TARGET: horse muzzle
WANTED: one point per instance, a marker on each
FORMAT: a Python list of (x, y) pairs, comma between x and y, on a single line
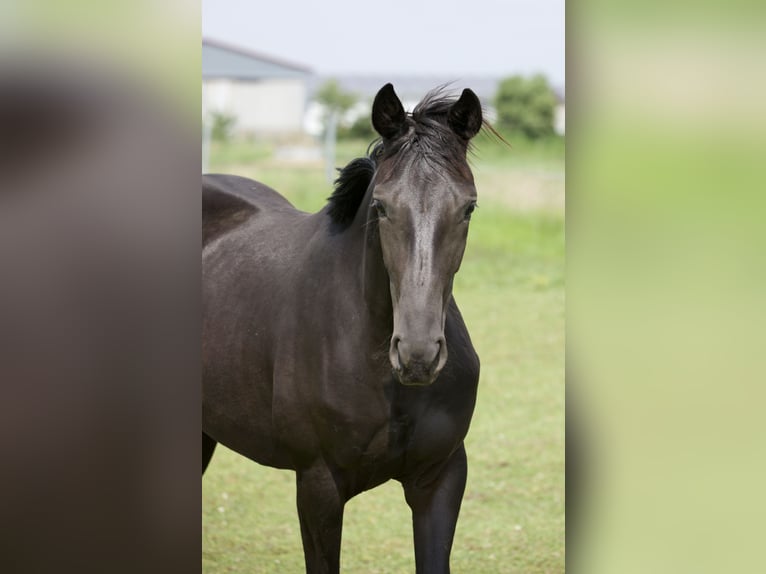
[(417, 363)]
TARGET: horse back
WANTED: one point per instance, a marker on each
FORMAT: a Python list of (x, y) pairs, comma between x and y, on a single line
[(229, 201)]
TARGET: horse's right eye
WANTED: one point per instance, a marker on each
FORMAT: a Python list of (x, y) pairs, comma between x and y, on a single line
[(379, 207), (469, 210)]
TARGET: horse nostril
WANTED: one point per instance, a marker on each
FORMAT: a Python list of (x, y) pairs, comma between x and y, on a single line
[(437, 353), (394, 355), (441, 355)]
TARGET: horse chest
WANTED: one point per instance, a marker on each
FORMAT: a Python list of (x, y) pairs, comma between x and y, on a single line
[(431, 435), (359, 425), (358, 416)]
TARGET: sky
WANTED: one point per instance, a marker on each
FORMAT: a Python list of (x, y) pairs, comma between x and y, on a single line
[(398, 37)]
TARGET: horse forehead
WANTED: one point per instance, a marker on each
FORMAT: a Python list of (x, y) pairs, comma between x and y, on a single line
[(426, 192)]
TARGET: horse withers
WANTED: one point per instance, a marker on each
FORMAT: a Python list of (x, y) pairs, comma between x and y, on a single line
[(332, 344)]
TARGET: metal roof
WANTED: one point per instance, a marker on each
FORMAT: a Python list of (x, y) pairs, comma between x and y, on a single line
[(220, 60)]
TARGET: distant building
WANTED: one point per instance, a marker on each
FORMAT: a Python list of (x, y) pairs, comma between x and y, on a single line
[(267, 96)]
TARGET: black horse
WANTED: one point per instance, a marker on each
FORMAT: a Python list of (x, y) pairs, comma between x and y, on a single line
[(332, 344)]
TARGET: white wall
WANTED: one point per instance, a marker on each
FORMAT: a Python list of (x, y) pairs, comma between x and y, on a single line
[(559, 119), (267, 107)]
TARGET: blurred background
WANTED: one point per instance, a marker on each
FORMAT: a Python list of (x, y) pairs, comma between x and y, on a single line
[(286, 99), (100, 137), (665, 275)]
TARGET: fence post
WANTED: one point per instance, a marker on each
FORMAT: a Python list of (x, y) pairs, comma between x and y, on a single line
[(329, 145), (206, 135)]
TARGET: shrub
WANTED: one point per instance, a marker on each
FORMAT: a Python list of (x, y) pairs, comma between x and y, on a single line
[(360, 129), (222, 126), (526, 105)]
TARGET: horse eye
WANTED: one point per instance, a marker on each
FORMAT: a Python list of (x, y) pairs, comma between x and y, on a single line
[(379, 208), (469, 211)]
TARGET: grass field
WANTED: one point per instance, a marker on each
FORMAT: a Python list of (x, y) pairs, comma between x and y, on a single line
[(511, 291)]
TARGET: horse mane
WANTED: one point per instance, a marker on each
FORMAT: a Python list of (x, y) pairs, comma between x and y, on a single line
[(428, 134), (350, 188)]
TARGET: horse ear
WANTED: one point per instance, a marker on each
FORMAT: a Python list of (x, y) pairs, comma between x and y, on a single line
[(388, 115), (465, 115)]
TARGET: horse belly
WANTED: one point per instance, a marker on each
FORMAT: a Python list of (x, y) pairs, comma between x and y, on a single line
[(237, 412), (237, 381)]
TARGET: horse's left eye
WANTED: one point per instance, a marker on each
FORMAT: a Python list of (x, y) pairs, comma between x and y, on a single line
[(379, 208), (469, 211)]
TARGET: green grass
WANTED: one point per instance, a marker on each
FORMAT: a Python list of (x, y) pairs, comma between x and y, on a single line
[(511, 291), (238, 152)]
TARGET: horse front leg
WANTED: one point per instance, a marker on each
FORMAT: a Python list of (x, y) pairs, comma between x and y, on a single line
[(320, 510), (435, 507)]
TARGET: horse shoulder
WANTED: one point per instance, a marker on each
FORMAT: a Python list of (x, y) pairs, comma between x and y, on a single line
[(465, 360)]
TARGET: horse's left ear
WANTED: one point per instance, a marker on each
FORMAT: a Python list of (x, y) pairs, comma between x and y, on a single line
[(388, 117), (465, 115)]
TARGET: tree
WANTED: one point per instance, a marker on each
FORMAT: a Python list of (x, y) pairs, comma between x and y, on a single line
[(360, 129), (334, 99), (223, 124), (526, 105)]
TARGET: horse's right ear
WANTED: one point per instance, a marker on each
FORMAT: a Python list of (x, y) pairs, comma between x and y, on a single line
[(388, 117), (465, 115)]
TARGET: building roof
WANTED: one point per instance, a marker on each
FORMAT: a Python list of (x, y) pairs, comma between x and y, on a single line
[(221, 60)]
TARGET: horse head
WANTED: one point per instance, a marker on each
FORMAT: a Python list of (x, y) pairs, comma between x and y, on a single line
[(422, 199)]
